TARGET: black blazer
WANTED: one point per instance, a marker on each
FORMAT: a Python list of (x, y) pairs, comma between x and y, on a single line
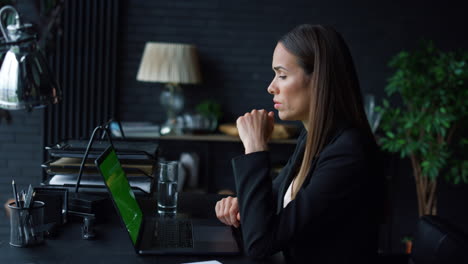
[(334, 217)]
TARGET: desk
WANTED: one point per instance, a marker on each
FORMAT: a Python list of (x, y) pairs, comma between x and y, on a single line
[(113, 244)]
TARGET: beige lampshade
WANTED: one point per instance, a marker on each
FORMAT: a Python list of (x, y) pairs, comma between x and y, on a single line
[(169, 63)]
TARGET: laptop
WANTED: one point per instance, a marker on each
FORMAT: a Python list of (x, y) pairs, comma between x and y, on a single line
[(159, 236)]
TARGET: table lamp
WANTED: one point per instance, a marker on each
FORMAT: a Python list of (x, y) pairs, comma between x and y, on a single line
[(26, 81), (172, 64)]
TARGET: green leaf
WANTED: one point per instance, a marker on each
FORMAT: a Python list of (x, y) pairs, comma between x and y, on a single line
[(402, 154), (386, 104), (209, 108), (425, 164)]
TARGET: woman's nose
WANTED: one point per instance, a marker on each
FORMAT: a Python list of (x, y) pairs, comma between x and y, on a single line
[(271, 89)]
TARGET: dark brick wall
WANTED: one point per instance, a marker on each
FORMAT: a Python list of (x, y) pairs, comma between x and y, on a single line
[(236, 39), (20, 151)]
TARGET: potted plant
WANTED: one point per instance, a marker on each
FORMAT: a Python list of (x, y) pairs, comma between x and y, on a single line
[(211, 110), (205, 120), (429, 125)]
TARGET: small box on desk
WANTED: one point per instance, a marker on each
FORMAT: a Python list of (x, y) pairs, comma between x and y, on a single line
[(61, 205), (56, 204), (86, 204)]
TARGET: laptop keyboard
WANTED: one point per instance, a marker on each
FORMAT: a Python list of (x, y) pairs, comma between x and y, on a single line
[(173, 234)]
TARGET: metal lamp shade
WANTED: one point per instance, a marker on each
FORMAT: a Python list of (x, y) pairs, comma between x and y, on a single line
[(26, 81)]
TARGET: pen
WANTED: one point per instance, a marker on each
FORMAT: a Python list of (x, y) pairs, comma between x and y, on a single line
[(28, 197), (31, 226), (23, 198), (15, 193)]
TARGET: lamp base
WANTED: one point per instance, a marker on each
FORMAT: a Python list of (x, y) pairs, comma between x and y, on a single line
[(172, 99), (171, 127)]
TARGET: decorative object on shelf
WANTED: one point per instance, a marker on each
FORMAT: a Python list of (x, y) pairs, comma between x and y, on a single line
[(373, 116), (172, 64), (210, 108), (26, 81), (205, 120), (408, 241), (280, 131), (199, 124), (229, 129), (430, 126)]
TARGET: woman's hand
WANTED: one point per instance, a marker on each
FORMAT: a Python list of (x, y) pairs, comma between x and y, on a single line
[(255, 130), (227, 211)]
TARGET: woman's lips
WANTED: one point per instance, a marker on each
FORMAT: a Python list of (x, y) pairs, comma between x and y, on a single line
[(277, 105)]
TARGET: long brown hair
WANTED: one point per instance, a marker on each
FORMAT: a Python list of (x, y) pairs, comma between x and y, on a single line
[(322, 53)]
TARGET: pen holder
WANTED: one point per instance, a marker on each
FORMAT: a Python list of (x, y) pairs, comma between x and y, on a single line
[(26, 225)]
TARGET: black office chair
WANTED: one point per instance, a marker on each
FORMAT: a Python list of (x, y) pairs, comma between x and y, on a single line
[(438, 242)]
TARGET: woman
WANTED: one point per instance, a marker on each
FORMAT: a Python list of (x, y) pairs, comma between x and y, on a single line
[(323, 207)]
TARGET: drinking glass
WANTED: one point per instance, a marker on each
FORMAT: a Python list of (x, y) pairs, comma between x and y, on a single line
[(167, 187)]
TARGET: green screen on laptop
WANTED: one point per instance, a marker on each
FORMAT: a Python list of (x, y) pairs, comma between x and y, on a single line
[(123, 196)]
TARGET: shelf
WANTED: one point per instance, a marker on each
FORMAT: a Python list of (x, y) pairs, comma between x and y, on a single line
[(219, 138)]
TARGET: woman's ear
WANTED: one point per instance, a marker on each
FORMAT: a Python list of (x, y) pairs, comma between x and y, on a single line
[(308, 81)]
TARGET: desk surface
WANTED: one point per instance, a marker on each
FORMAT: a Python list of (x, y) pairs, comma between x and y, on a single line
[(113, 244)]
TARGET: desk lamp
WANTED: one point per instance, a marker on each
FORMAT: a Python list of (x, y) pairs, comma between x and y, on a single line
[(172, 64), (26, 81), (84, 204)]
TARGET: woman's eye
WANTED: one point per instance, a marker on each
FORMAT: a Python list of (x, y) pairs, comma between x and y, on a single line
[(282, 77)]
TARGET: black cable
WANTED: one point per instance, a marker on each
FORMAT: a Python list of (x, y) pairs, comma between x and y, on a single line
[(105, 131)]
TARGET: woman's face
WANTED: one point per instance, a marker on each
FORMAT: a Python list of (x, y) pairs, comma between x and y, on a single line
[(290, 87)]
